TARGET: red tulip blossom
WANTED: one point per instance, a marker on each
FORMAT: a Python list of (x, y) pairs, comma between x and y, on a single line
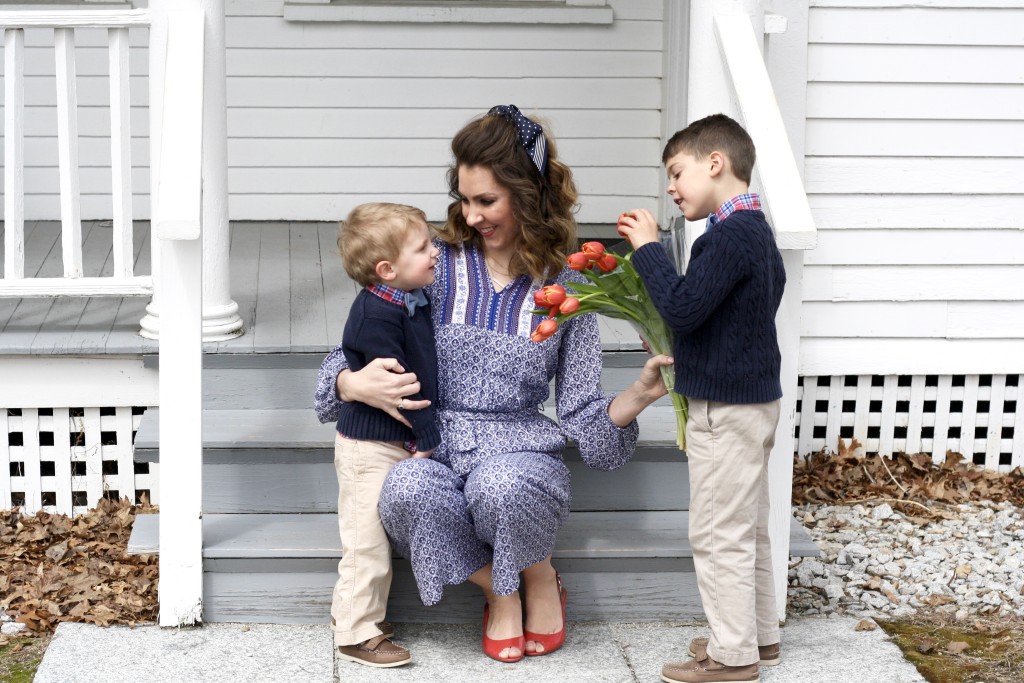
[(607, 263), (570, 305), (592, 249), (578, 261), (550, 295), (546, 328), (618, 226)]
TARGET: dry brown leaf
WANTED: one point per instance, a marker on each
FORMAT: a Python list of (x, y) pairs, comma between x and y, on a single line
[(55, 568), (957, 647), (903, 479), (937, 600), (865, 625)]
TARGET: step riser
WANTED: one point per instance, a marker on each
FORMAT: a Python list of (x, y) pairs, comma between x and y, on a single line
[(305, 598), (312, 487)]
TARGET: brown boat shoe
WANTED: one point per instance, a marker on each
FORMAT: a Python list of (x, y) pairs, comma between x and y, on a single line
[(708, 670), (771, 655), (377, 652)]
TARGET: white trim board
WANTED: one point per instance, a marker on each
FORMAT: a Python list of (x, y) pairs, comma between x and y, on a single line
[(490, 12), (41, 382)]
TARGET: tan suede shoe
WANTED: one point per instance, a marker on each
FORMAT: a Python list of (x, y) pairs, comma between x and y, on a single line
[(771, 655), (377, 652), (708, 670)]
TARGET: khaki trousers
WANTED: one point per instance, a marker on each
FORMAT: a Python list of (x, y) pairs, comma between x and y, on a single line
[(727, 448), (360, 598)]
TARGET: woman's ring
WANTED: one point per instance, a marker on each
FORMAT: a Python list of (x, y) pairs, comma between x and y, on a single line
[(401, 403)]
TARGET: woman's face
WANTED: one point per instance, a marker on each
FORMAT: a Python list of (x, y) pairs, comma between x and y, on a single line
[(487, 208)]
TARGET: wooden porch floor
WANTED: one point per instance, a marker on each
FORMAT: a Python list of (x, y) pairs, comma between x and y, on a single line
[(286, 277)]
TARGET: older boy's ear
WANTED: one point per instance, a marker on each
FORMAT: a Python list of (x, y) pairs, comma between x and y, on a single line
[(385, 271), (716, 163)]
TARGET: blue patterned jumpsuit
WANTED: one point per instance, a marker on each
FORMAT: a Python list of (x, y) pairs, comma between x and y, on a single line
[(496, 490)]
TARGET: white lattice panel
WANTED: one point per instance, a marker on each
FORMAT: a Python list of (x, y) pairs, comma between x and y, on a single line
[(65, 459), (980, 416)]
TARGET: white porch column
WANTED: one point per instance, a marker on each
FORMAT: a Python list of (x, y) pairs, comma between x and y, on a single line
[(710, 91), (220, 313)]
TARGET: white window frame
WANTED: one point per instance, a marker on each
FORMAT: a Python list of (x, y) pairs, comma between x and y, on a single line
[(454, 12), (21, 5)]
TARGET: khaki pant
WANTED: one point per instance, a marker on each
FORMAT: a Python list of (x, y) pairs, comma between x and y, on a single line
[(727, 448), (364, 574)]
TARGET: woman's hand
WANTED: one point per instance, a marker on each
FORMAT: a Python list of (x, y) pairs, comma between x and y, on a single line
[(645, 390), (383, 384)]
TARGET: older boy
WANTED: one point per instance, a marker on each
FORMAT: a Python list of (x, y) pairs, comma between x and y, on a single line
[(387, 249), (727, 359)]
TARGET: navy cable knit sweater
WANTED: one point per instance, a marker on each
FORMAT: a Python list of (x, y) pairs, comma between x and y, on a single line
[(380, 329), (722, 311)]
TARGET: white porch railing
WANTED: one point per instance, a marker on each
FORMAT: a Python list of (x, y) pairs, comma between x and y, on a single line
[(122, 281), (177, 61)]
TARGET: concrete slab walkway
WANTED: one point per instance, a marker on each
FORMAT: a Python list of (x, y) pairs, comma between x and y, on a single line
[(814, 650)]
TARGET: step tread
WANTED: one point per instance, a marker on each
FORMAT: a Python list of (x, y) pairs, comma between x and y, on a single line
[(592, 535), (278, 429)]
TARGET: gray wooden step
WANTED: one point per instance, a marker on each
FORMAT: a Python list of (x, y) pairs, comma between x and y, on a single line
[(288, 380), (282, 461), (281, 568), (254, 435)]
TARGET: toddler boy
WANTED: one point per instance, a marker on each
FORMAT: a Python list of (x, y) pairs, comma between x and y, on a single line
[(386, 248), (722, 312)]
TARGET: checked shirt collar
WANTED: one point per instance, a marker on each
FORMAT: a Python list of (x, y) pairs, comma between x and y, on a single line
[(743, 202), (400, 297)]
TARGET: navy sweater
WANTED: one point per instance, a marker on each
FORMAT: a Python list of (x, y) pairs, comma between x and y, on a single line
[(381, 329), (722, 311)]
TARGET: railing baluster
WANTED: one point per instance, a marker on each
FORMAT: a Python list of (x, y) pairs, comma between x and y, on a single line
[(67, 148), (14, 154), (120, 151)]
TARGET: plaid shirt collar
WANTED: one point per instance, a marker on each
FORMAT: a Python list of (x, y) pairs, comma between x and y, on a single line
[(742, 202), (399, 297)]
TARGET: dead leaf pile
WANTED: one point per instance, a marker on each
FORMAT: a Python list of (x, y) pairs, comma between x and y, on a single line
[(846, 477), (55, 568)]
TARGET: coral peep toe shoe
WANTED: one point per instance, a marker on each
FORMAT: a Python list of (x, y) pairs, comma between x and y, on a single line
[(494, 646), (550, 641)]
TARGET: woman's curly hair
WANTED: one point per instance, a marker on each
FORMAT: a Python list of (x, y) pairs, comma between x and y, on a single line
[(543, 207)]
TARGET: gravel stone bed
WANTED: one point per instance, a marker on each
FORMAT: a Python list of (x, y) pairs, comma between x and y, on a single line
[(880, 562)]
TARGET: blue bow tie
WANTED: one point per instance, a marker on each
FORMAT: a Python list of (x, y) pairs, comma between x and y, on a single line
[(413, 299)]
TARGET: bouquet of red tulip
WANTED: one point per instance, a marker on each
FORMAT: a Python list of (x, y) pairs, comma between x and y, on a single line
[(615, 290)]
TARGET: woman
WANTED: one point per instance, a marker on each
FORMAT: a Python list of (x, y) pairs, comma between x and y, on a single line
[(487, 507)]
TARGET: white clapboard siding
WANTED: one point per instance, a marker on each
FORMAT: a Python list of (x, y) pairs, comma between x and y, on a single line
[(902, 25), (905, 210), (320, 115), (921, 246), (879, 175), (915, 138), (873, 63), (93, 122), (915, 174), (923, 101), (914, 320)]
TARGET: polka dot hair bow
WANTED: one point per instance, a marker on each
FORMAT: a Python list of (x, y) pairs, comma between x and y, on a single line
[(531, 135)]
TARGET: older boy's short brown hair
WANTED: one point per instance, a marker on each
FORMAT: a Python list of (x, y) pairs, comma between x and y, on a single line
[(373, 233), (713, 133)]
